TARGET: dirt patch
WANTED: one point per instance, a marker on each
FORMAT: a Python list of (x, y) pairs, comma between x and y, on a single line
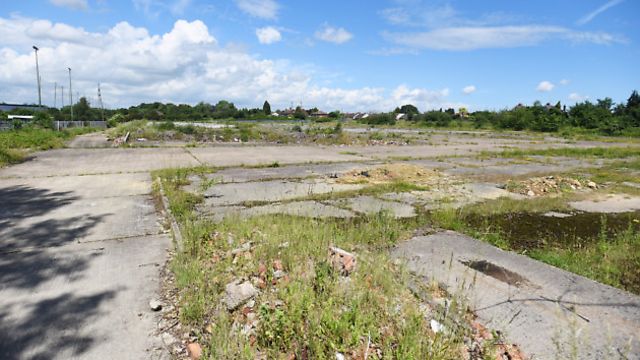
[(391, 173)]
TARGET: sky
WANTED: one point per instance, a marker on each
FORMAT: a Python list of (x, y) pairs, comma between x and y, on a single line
[(358, 55)]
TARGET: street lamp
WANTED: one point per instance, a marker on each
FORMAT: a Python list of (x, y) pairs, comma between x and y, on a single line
[(38, 75), (70, 94)]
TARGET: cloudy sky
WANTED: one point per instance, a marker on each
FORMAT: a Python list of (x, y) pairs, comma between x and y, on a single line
[(345, 55)]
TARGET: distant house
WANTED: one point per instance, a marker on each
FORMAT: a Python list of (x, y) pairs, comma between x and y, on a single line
[(275, 114), (401, 116), (319, 114), (357, 116)]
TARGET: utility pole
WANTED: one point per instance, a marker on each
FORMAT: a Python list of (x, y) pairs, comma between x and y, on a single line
[(101, 105), (70, 94), (61, 97), (38, 75), (55, 95)]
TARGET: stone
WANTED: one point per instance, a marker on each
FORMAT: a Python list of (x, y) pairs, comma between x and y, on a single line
[(168, 339), (592, 185), (340, 356), (237, 293), (277, 265), (342, 261), (194, 350), (155, 305), (531, 193), (278, 274)]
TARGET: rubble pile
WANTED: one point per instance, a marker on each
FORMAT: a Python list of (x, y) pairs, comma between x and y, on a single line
[(539, 186)]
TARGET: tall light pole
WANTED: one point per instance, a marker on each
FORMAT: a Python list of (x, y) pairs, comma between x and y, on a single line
[(70, 94), (38, 75), (55, 95)]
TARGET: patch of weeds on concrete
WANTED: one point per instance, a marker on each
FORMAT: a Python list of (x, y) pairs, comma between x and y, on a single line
[(300, 304)]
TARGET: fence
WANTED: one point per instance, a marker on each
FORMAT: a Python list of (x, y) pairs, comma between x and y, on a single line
[(59, 125)]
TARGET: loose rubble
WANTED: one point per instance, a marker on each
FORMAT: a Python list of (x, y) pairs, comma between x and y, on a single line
[(539, 186), (237, 293), (342, 261)]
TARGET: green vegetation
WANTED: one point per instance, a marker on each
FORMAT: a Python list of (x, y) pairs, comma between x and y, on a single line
[(610, 260), (13, 143), (612, 152), (602, 117), (312, 311)]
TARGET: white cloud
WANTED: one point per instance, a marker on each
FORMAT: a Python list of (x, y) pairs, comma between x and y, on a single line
[(545, 86), (183, 65), (482, 37), (179, 6), (564, 82), (268, 35), (577, 97), (469, 89), (265, 9), (333, 34), (71, 4), (592, 15)]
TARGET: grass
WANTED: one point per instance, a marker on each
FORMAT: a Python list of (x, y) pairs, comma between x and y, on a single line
[(612, 261), (313, 312), (596, 152), (14, 144)]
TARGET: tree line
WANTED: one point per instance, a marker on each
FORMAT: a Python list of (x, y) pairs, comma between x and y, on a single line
[(602, 116)]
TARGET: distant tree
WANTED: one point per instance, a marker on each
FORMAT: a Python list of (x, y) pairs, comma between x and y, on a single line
[(299, 113), (224, 109), (266, 108), (334, 114), (82, 110), (438, 118)]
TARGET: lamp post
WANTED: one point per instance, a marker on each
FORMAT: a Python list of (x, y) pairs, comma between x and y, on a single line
[(70, 94), (38, 75)]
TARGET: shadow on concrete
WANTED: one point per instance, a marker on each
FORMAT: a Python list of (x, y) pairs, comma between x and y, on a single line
[(20, 202), (51, 327)]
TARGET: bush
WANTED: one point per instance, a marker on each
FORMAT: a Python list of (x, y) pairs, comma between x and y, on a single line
[(43, 120), (167, 125)]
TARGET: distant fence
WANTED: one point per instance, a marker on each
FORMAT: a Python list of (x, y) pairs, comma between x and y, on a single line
[(70, 124), (7, 125)]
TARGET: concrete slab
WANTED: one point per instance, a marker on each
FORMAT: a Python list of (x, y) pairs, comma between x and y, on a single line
[(311, 209), (610, 203), (285, 172), (94, 140), (81, 301), (99, 161), (536, 305), (253, 155), (275, 190), (371, 205)]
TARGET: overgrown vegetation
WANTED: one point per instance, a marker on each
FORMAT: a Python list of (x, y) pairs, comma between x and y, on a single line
[(311, 311), (15, 143)]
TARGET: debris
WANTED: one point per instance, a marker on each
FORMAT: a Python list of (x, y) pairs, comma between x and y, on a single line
[(279, 274), (237, 293), (242, 249), (155, 305), (339, 356), (195, 350), (277, 265), (168, 339), (436, 326), (547, 185), (390, 173), (342, 261)]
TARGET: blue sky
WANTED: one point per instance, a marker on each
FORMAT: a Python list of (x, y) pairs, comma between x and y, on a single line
[(346, 55)]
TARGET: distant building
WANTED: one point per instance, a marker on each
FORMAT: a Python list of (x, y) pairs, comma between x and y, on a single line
[(319, 114), (401, 116), (20, 117), (9, 107)]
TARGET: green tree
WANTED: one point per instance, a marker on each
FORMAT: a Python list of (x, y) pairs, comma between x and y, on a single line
[(82, 110), (299, 113), (43, 119), (266, 108)]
